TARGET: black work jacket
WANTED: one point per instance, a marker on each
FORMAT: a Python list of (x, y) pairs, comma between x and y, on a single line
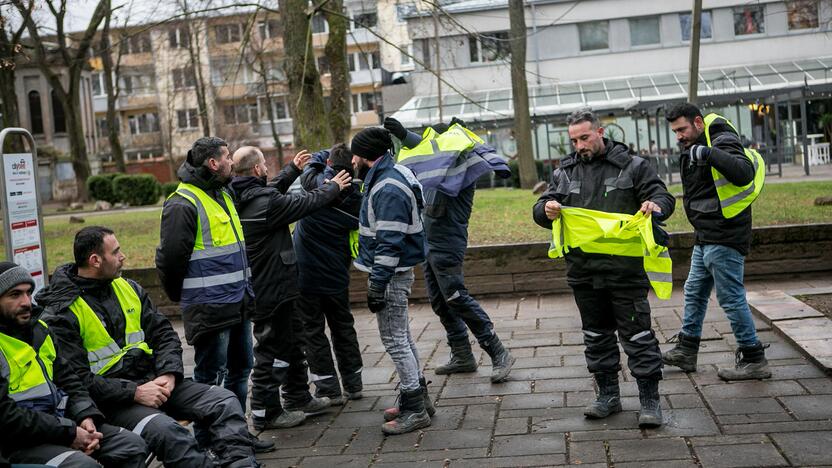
[(614, 182), (117, 385)]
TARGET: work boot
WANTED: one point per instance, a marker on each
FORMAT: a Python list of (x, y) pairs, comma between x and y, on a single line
[(501, 360), (609, 397), (313, 406), (462, 359), (356, 395), (282, 420), (261, 446), (651, 409), (413, 414), (684, 354), (751, 364), (392, 413)]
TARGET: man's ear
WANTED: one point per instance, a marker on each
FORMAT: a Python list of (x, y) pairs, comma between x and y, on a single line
[(699, 123)]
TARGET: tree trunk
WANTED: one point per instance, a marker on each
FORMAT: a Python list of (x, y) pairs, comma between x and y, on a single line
[(520, 94), (77, 146), (112, 95), (311, 129), (11, 115), (336, 53), (264, 75)]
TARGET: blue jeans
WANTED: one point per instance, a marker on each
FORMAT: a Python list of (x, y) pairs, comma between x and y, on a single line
[(394, 328), (225, 359), (717, 265)]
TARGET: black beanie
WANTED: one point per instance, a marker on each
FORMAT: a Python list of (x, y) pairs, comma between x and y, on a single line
[(371, 143), (11, 275)]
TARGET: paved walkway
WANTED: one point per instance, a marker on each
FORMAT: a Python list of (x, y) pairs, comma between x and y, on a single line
[(535, 419)]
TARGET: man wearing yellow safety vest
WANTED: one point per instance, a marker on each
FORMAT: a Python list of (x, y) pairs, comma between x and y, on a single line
[(720, 179), (130, 358), (610, 288), (46, 414)]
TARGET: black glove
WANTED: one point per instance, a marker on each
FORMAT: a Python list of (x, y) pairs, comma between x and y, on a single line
[(375, 297), (699, 155), (395, 127), (457, 121)]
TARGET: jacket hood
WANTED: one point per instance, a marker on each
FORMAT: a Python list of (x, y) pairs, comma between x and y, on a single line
[(65, 286), (200, 176), (615, 152), (247, 188)]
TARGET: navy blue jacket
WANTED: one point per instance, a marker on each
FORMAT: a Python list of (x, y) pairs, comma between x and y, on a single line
[(322, 239), (391, 236)]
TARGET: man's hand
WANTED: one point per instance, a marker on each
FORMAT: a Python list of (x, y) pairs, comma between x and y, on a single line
[(301, 159), (395, 128), (552, 209), (151, 394), (457, 121), (649, 208), (699, 155), (166, 380), (375, 297), (85, 440), (343, 180)]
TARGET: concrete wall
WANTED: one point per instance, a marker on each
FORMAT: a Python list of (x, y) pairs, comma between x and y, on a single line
[(525, 268)]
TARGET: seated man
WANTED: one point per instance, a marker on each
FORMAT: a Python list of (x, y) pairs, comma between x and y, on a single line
[(46, 414), (130, 358)]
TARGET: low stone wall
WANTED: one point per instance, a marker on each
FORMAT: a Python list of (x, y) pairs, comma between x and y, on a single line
[(526, 269)]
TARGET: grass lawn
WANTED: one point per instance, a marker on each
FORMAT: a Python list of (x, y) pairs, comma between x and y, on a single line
[(500, 216)]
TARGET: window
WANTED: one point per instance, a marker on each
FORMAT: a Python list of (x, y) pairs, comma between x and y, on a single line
[(143, 123), (98, 88), (323, 64), (102, 127), (424, 47), (489, 47), (803, 14), (402, 11), (136, 44), (274, 70), (35, 113), (269, 29), (179, 38), (319, 24), (187, 119), (364, 102), (184, 78), (644, 31), (365, 20), (362, 61), (137, 84), (407, 55), (58, 115), (594, 35), (235, 114), (279, 108), (686, 23), (227, 33), (749, 20)]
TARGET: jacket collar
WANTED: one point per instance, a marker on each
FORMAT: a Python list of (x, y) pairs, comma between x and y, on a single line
[(615, 153), (381, 164), (200, 176)]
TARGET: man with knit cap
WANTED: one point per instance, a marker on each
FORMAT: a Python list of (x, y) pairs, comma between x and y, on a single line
[(391, 242), (46, 415)]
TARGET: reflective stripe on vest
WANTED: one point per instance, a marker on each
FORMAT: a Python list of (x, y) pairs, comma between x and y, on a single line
[(217, 270), (437, 155), (733, 199), (102, 351), (614, 234), (27, 380)]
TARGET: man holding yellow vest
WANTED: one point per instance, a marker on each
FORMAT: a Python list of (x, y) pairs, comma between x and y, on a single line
[(610, 289), (46, 414), (720, 179), (130, 358)]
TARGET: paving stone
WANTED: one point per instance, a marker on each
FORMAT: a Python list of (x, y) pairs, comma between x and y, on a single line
[(745, 405), (511, 462), (446, 417), (685, 422), (810, 448), (729, 440), (341, 461), (685, 401), (533, 362), (574, 420), (792, 371), (528, 444), (508, 426), (505, 388), (302, 436), (754, 418), (807, 329), (587, 452), (756, 388), (789, 426), (534, 400), (658, 464), (366, 441), (606, 434), (563, 385), (815, 386), (648, 449), (463, 438), (479, 417), (422, 456), (809, 406), (403, 442), (336, 436)]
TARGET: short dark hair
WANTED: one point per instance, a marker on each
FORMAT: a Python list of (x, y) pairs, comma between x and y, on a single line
[(204, 149), (88, 241), (340, 155), (683, 109), (584, 114)]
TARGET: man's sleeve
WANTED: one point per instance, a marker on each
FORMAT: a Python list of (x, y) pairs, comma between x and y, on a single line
[(411, 140), (103, 390), (393, 212), (649, 186), (284, 179), (22, 427), (177, 236), (728, 157), (539, 209), (285, 209), (161, 337)]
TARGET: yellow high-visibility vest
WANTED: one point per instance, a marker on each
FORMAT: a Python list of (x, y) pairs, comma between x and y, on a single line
[(27, 380), (733, 199), (102, 351), (614, 234)]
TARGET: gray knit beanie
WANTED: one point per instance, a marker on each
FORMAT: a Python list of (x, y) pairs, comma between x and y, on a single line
[(11, 275)]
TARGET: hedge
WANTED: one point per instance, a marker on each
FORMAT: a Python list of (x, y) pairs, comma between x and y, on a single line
[(138, 189), (100, 187), (168, 188)]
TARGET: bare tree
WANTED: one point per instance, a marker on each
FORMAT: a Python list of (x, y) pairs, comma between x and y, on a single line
[(73, 58), (111, 73), (194, 49), (305, 90), (520, 94), (336, 54), (10, 49)]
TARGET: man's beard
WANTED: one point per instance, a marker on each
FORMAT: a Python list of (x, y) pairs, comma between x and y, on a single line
[(264, 178), (363, 169)]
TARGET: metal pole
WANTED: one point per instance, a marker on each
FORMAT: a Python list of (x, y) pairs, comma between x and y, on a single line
[(693, 68), (789, 122), (739, 120), (778, 140), (669, 152), (658, 140), (638, 140), (805, 129), (549, 148), (438, 66)]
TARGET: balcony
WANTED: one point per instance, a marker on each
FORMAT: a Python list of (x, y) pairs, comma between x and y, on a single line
[(364, 119), (135, 101), (365, 77)]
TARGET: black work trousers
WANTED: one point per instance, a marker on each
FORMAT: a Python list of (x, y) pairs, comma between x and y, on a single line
[(627, 311), (213, 409), (317, 311), (279, 362), (118, 449)]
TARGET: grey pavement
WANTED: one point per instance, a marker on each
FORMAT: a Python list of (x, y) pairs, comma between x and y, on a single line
[(535, 419)]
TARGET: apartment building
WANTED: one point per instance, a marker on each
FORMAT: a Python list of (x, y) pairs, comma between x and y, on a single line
[(766, 64)]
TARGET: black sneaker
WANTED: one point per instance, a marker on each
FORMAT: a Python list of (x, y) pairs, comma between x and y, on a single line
[(261, 446)]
